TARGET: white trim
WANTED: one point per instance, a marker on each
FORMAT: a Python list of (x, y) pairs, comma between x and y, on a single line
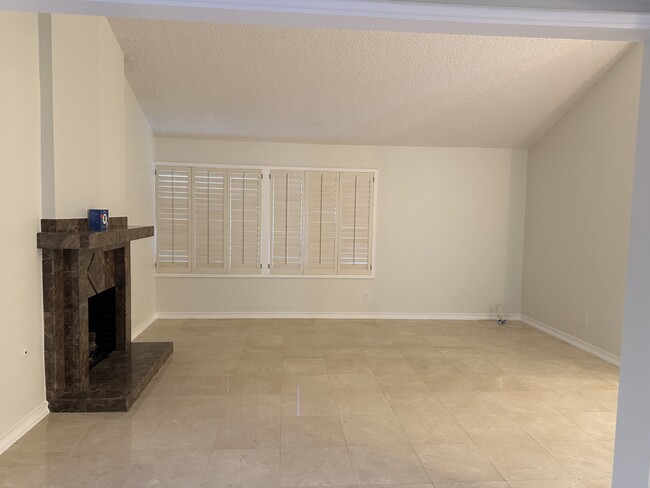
[(330, 315), (164, 274), (574, 341), (144, 325), (367, 14), (24, 426)]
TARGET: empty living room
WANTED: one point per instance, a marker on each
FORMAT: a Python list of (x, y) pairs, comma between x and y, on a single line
[(307, 243)]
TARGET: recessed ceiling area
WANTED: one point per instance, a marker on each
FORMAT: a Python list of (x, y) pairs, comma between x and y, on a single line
[(334, 86)]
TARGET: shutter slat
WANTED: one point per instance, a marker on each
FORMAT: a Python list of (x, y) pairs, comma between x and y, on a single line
[(209, 199), (244, 219), (355, 226), (287, 191), (320, 222), (172, 220)]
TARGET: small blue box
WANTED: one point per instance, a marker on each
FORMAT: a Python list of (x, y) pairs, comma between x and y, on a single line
[(97, 219)]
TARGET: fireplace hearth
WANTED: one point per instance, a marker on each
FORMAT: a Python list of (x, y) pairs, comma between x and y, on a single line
[(91, 365)]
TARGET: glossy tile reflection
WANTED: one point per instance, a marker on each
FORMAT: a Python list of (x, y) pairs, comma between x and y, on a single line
[(341, 403)]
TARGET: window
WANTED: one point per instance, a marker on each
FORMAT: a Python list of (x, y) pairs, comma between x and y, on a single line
[(278, 221)]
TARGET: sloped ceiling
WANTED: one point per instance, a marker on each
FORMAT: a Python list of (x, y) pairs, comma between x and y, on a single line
[(330, 86)]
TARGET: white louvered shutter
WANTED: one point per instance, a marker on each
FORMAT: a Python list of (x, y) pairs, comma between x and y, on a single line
[(287, 189), (173, 219), (244, 200), (321, 209), (355, 223), (209, 220)]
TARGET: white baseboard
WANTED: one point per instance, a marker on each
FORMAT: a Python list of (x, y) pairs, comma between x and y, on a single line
[(24, 426), (574, 341), (329, 315), (141, 327)]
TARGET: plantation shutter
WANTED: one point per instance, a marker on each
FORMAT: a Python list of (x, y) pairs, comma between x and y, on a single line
[(321, 210), (209, 219), (245, 219), (287, 189), (173, 218), (355, 225)]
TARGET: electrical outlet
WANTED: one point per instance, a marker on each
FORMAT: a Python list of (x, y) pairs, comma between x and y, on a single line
[(365, 296), (586, 322)]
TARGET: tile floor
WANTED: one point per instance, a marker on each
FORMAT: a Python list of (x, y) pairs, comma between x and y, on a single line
[(339, 403)]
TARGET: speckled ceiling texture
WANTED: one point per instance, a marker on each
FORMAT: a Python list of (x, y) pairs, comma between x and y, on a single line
[(330, 86)]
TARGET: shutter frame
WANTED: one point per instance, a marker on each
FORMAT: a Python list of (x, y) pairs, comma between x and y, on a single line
[(356, 196)]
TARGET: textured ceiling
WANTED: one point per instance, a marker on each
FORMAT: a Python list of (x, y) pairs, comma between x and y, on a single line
[(330, 86)]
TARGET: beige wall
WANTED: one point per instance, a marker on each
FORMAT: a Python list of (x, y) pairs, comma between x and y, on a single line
[(449, 234), (140, 209), (21, 324), (578, 210), (88, 107)]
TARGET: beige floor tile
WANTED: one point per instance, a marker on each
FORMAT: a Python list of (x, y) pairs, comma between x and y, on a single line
[(261, 352), (572, 483), (390, 366), (315, 466), (406, 401), (455, 463), (308, 403), (373, 430), (492, 428), (306, 382), (582, 459), (524, 462), (119, 435), (441, 429), (362, 403), (248, 433), (206, 385), (243, 468), (550, 427), (355, 365), (304, 366), (519, 402), (386, 465), (247, 384), (254, 406), (266, 384), (566, 402), (302, 352), (429, 365), (193, 435), (222, 367), (477, 484), (449, 381), (312, 432), (412, 382), (259, 366), (99, 470), (600, 425), (53, 437), (478, 403), (495, 382), (175, 468), (354, 382)]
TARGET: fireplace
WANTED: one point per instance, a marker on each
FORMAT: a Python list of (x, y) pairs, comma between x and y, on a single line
[(90, 362), (101, 326)]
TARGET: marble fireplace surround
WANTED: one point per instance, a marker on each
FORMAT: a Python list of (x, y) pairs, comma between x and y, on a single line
[(78, 264)]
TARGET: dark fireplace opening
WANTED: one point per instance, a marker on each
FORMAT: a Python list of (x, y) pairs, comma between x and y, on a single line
[(101, 326)]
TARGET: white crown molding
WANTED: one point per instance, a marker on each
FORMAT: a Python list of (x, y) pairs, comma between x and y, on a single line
[(367, 14), (24, 426), (574, 341)]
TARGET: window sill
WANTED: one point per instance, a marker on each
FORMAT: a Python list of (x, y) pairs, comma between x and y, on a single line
[(263, 276)]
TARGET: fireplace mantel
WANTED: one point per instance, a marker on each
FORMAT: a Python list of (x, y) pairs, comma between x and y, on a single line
[(74, 234), (79, 264)]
